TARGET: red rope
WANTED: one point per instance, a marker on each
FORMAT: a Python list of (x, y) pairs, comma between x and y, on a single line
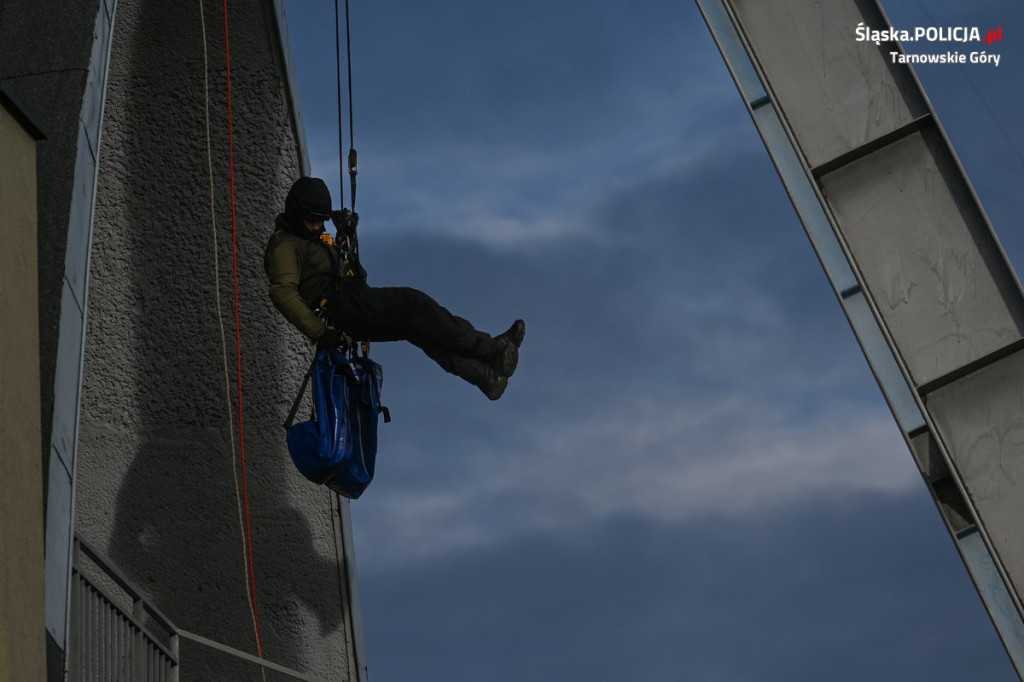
[(238, 337)]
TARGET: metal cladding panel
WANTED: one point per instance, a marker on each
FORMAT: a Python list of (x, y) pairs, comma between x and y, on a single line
[(993, 589), (935, 305), (928, 259), (836, 93), (981, 419), (735, 54), (58, 539), (808, 206), (887, 371), (67, 383)]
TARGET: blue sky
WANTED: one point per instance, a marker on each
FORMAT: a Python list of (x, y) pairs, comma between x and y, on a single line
[(692, 475)]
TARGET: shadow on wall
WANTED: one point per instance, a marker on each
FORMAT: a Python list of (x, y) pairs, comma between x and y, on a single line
[(157, 485)]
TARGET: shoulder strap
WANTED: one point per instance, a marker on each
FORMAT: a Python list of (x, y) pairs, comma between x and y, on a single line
[(302, 390)]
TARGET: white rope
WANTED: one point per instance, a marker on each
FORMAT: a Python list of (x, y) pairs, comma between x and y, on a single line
[(220, 322)]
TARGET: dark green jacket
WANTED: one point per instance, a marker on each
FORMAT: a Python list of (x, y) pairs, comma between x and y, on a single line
[(301, 268)]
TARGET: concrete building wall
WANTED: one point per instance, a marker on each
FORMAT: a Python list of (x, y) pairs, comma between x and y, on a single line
[(156, 478), (156, 488), (22, 628)]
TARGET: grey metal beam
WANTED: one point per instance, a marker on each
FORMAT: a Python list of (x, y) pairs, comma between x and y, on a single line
[(933, 301), (884, 140)]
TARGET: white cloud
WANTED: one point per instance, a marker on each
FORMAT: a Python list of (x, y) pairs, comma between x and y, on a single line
[(667, 462), (514, 192)]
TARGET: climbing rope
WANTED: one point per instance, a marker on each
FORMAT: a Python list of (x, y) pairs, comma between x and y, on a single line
[(238, 335), (341, 141), (242, 498), (220, 322), (353, 159)]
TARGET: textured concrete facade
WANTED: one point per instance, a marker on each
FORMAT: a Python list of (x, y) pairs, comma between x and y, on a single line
[(156, 477), (22, 627), (157, 481)]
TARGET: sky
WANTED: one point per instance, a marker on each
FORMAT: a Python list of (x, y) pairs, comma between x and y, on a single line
[(692, 474)]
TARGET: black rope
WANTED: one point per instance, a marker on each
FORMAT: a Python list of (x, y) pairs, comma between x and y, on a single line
[(353, 164), (337, 49), (353, 160)]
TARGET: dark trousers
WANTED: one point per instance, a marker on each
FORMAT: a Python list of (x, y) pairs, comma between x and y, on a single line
[(403, 314)]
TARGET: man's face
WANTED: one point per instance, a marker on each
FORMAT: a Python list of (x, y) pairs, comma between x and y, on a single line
[(316, 227)]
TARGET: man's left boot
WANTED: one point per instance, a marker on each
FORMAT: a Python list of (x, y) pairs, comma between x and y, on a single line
[(483, 375), (507, 359), (494, 385), (499, 353)]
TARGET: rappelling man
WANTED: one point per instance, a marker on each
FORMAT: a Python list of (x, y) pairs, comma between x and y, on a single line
[(310, 273)]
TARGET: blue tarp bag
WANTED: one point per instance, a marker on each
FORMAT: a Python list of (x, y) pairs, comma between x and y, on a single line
[(337, 447)]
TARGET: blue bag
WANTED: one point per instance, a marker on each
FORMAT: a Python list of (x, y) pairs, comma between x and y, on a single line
[(337, 447)]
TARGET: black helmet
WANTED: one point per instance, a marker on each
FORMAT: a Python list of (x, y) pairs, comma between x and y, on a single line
[(308, 199)]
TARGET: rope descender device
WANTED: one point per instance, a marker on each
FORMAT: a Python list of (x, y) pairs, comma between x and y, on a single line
[(353, 163), (353, 171)]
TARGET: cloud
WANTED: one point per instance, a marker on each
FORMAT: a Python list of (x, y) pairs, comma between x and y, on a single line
[(819, 592), (693, 449), (521, 130), (668, 462), (716, 382), (526, 199)]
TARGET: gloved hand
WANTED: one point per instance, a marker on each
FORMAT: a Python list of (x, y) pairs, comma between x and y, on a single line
[(345, 220), (332, 338)]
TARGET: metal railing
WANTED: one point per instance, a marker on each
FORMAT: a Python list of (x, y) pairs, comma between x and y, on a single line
[(108, 642), (114, 642)]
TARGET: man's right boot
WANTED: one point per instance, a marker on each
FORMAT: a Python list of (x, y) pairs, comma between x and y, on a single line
[(499, 353), (504, 363), (516, 333)]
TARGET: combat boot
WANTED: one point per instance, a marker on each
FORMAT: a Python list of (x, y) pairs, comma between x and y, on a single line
[(504, 363), (480, 373), (493, 384), (516, 333), (499, 353)]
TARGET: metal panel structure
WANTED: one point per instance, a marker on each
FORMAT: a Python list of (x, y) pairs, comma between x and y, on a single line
[(70, 349), (927, 257), (910, 253)]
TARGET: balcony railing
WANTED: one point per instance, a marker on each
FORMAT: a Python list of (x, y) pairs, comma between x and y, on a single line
[(119, 635)]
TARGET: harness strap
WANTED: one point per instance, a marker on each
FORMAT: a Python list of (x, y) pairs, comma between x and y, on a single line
[(350, 375), (298, 398)]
